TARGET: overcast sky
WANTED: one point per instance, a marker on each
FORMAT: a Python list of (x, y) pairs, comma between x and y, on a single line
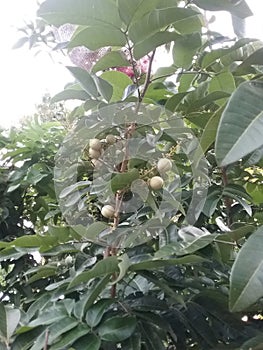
[(25, 78)]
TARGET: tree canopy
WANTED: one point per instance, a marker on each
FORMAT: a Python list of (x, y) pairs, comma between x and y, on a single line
[(135, 220)]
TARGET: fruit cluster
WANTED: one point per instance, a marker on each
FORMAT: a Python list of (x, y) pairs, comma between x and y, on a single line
[(155, 183)]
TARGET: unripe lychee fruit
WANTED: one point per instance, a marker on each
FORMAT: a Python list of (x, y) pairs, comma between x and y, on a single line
[(94, 153), (108, 211), (110, 139), (156, 183), (95, 144), (164, 165)]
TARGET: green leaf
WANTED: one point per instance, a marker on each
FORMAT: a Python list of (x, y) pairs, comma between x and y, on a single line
[(147, 45), (123, 180), (189, 25), (96, 312), (119, 82), (97, 36), (209, 134), (185, 48), (80, 12), (222, 82), (117, 328), (229, 55), (102, 268), (246, 283), (43, 273), (55, 331), (254, 343), (92, 231), (9, 319), (239, 8), (105, 89), (157, 20), (91, 340), (244, 117), (110, 60), (135, 9), (255, 59), (152, 264), (70, 94), (70, 337), (49, 316), (85, 80), (124, 265), (133, 342)]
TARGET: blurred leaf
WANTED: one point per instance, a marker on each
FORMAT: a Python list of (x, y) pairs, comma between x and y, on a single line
[(91, 339), (117, 328), (80, 12), (246, 284), (97, 36), (185, 48), (119, 82), (104, 267), (70, 94), (123, 180), (9, 319), (70, 337), (239, 8), (85, 80), (96, 312), (110, 60), (244, 116)]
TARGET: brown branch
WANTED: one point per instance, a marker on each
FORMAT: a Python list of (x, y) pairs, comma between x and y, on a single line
[(46, 340), (227, 200), (148, 77)]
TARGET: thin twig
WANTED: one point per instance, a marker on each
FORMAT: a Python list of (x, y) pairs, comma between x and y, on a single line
[(148, 77), (228, 201), (46, 340)]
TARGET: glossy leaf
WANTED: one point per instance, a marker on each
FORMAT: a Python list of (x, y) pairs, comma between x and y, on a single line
[(123, 180), (244, 117), (156, 20), (184, 49), (70, 337), (110, 60), (239, 8), (97, 36), (104, 267), (119, 82), (209, 134), (246, 282), (9, 319), (117, 328), (91, 340), (85, 80), (57, 329), (70, 94), (80, 12), (150, 43), (159, 262), (96, 312)]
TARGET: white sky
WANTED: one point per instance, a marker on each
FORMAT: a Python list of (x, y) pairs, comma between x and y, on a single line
[(25, 78)]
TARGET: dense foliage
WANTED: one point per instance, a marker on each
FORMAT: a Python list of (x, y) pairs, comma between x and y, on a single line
[(135, 222)]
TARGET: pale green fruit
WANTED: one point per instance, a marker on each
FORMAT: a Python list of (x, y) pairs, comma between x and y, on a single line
[(156, 183), (95, 144), (164, 165), (108, 211), (94, 153), (110, 139)]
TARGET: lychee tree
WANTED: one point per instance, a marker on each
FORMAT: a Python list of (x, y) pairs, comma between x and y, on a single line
[(154, 240)]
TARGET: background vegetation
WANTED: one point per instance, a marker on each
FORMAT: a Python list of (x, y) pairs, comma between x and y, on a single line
[(182, 269)]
